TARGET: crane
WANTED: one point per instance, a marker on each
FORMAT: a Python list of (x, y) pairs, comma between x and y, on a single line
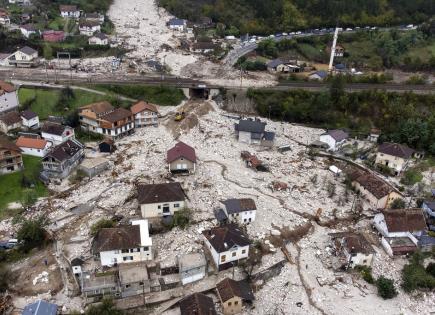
[(334, 44)]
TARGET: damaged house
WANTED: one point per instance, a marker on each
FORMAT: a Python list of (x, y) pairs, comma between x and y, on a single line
[(192, 267), (197, 304), (240, 211), (57, 133), (252, 131), (181, 159), (394, 156), (232, 294)]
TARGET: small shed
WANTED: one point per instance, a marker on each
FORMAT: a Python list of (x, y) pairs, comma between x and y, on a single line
[(107, 146), (94, 166), (192, 267), (76, 265)]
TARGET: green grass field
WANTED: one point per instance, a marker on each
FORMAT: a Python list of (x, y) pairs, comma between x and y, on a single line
[(11, 185), (46, 100)]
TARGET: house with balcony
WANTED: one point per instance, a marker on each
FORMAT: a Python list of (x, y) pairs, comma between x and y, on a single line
[(227, 245), (57, 133), (145, 114), (62, 160), (161, 200), (8, 98), (123, 244), (10, 157), (104, 119)]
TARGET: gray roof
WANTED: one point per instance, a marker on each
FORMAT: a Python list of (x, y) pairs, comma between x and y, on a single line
[(426, 240), (28, 50), (269, 136), (28, 114), (239, 205), (275, 63), (321, 73), (250, 125), (40, 308), (220, 215), (100, 35), (430, 204), (337, 134), (176, 21), (65, 150)]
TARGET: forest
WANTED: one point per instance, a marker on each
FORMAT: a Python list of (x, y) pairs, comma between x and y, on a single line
[(266, 17), (404, 118)]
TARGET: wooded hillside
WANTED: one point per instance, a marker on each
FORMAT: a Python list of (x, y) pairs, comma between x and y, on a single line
[(265, 17)]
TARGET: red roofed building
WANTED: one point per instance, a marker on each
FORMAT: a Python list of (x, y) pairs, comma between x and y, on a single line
[(33, 146), (145, 114), (53, 36), (181, 159)]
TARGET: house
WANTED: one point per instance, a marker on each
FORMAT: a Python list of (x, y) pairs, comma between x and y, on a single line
[(69, 11), (107, 146), (21, 2), (10, 121), (8, 98), (100, 39), (94, 17), (252, 131), (351, 249), (33, 146), (99, 284), (4, 17), (374, 135), (30, 119), (335, 139), (181, 159), (279, 65), (25, 57), (28, 29), (4, 60), (94, 166), (57, 133), (197, 304), (145, 114), (53, 36), (192, 267), (88, 28), (318, 75), (40, 307), (134, 278), (232, 294), (428, 207), (103, 118), (10, 157), (395, 156), (377, 193), (227, 245), (160, 200), (339, 50), (400, 229), (123, 244), (239, 210), (177, 24), (62, 159), (203, 47)]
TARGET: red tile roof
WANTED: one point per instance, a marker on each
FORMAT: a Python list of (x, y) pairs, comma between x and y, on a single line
[(181, 150), (33, 143), (404, 220), (142, 106), (6, 88)]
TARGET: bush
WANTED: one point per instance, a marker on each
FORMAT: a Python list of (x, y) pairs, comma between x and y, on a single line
[(101, 224), (5, 276), (415, 276), (398, 204), (181, 218), (32, 233), (366, 273), (411, 177), (386, 288), (430, 269)]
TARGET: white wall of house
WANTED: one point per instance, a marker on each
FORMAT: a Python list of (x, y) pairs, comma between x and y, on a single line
[(331, 142), (112, 257), (6, 128), (8, 102), (89, 30), (155, 210), (179, 28), (145, 118), (27, 33), (20, 56), (244, 217), (361, 259), (31, 123), (98, 41), (233, 254), (245, 137), (397, 164), (387, 246), (55, 139), (70, 14), (36, 152)]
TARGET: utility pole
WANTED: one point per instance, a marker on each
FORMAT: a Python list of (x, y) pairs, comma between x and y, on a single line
[(334, 44), (241, 76)]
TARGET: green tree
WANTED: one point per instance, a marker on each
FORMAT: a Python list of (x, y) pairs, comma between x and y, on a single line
[(398, 204), (101, 224), (182, 218), (267, 48), (32, 233), (386, 288), (5, 277)]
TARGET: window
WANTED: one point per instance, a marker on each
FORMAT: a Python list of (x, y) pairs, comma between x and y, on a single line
[(229, 303), (124, 251), (243, 251), (176, 205), (364, 261), (234, 254), (223, 257), (127, 258), (159, 207), (236, 302), (141, 283), (127, 286)]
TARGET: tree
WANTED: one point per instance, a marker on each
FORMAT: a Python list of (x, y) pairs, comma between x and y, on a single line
[(398, 204), (386, 288), (267, 48), (182, 218), (5, 277), (101, 224), (32, 233), (430, 269)]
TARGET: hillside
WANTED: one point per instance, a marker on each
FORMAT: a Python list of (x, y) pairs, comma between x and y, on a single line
[(262, 17)]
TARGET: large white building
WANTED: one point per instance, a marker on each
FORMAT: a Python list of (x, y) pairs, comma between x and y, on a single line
[(160, 200), (8, 97), (123, 244), (145, 114), (227, 245)]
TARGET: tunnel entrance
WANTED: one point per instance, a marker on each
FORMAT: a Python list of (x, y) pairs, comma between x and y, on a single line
[(199, 93)]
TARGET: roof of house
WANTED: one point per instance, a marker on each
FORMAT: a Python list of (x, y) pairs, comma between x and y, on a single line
[(40, 307), (197, 304), (5, 144), (142, 106), (430, 204), (426, 240), (250, 125), (229, 288), (376, 186), (77, 261), (222, 238), (54, 128), (28, 50), (275, 63), (181, 150), (6, 88), (337, 134), (340, 66), (10, 118), (67, 8), (156, 193), (122, 237), (395, 149), (117, 115), (352, 242), (100, 35), (65, 150), (322, 74), (33, 143), (94, 15), (404, 220), (176, 21), (99, 107), (28, 114), (88, 23), (239, 205), (28, 27)]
